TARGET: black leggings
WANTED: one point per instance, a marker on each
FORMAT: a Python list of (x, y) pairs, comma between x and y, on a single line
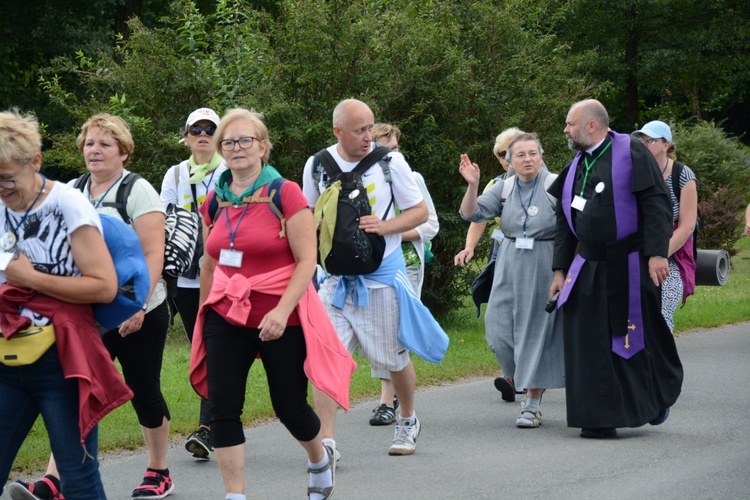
[(230, 352), (140, 355), (187, 305)]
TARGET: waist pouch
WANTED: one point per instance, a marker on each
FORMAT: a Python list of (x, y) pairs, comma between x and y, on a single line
[(26, 347)]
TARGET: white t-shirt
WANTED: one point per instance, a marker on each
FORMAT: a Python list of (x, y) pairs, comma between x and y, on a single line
[(143, 199), (44, 236), (406, 192), (181, 195)]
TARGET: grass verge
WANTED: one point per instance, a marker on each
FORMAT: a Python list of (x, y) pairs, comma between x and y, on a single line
[(468, 355)]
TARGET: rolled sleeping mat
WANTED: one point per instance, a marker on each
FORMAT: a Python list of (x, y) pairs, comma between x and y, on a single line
[(712, 268)]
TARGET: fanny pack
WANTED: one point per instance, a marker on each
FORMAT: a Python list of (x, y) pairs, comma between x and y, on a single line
[(27, 346)]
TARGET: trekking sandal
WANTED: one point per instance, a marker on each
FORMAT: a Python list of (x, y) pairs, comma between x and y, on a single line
[(327, 491), (530, 418)]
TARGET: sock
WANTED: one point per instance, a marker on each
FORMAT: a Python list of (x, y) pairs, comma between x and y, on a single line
[(163, 472), (532, 403), (321, 479), (234, 496), (409, 421)]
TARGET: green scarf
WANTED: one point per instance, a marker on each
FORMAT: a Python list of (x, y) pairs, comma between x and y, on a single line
[(199, 172), (222, 185)]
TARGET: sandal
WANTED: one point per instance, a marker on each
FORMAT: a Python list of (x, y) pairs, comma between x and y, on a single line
[(530, 418), (327, 491)]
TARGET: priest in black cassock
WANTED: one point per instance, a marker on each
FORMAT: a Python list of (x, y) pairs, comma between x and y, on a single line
[(614, 221)]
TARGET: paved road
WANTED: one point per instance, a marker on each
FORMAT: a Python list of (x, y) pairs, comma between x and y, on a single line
[(470, 447)]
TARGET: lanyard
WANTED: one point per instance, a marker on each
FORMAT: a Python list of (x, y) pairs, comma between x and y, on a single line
[(233, 232), (101, 199), (520, 199), (210, 183), (589, 167), (28, 210)]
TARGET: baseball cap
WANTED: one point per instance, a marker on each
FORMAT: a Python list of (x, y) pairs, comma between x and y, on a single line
[(202, 114), (655, 130)]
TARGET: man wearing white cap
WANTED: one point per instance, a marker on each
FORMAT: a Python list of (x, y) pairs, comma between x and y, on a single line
[(186, 185)]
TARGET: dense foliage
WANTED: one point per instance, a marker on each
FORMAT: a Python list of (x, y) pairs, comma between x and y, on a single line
[(451, 74)]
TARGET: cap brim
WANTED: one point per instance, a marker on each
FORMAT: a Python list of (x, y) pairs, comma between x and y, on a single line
[(652, 135)]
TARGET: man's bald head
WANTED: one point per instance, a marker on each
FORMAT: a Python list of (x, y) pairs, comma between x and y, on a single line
[(587, 123)]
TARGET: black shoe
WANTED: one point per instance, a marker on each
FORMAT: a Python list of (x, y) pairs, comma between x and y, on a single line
[(605, 433), (661, 417), (395, 402), (199, 444), (383, 414), (507, 388)]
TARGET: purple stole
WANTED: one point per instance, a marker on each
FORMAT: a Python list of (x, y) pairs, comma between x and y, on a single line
[(626, 217)]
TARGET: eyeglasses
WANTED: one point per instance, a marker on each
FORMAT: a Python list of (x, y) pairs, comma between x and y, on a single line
[(11, 183), (648, 141), (244, 143), (197, 129)]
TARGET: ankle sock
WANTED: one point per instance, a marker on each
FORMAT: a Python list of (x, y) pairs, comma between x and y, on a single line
[(410, 420), (235, 496), (532, 403), (320, 479), (163, 472)]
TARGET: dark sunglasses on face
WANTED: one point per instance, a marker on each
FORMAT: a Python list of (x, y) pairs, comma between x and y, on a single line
[(197, 129), (503, 154)]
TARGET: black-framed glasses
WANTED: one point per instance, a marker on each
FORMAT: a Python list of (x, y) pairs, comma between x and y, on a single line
[(244, 143), (197, 129), (11, 183)]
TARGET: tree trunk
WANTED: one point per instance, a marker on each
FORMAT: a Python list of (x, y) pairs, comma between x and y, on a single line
[(631, 61), (132, 8)]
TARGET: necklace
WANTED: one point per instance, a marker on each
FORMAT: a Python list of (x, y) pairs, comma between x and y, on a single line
[(664, 170), (14, 231)]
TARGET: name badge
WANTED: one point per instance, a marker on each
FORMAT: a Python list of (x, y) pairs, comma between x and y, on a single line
[(5, 259), (497, 235), (578, 203), (231, 258), (525, 243)]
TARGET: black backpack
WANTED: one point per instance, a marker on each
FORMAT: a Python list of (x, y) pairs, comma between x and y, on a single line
[(353, 251), (677, 190)]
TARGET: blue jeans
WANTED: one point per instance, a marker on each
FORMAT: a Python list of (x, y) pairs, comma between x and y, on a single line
[(27, 391)]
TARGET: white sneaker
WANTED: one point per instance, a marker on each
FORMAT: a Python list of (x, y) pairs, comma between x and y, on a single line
[(405, 440)]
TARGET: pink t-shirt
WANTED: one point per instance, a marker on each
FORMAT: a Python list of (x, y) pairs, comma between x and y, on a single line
[(257, 237)]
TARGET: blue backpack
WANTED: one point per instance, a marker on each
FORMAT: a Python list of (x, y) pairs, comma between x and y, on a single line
[(133, 281)]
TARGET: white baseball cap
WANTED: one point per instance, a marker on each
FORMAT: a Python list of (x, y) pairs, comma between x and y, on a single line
[(202, 114)]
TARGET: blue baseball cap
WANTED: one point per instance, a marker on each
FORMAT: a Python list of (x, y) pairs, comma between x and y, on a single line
[(655, 130)]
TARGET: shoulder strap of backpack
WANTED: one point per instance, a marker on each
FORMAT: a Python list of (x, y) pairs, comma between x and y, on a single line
[(329, 164), (547, 183), (80, 183), (371, 159), (676, 173), (274, 191), (121, 198)]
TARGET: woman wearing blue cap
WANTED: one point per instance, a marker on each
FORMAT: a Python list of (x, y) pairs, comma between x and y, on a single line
[(683, 191)]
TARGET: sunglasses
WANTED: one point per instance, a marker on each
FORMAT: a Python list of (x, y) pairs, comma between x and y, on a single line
[(503, 154), (197, 129)]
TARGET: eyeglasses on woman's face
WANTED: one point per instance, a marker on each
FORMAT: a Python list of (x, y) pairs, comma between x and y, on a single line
[(10, 183), (243, 142), (197, 129), (648, 141)]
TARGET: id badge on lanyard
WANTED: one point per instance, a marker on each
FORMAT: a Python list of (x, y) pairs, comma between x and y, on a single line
[(525, 243)]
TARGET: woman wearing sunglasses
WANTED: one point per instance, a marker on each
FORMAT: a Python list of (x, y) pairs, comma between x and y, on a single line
[(186, 185)]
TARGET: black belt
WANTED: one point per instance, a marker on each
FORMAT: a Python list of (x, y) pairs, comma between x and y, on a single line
[(511, 238)]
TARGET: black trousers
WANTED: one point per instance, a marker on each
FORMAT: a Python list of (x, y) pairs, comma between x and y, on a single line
[(230, 352)]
